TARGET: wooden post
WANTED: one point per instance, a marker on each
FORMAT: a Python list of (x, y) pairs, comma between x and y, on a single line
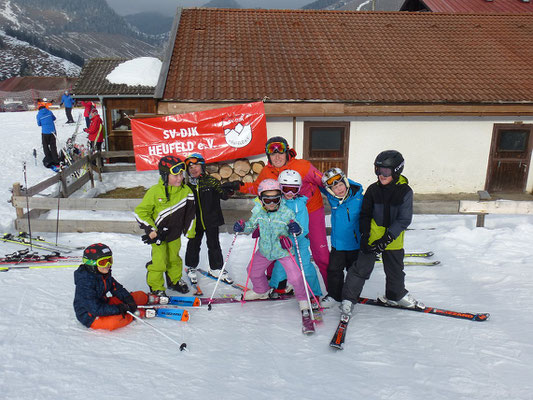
[(64, 189), (99, 164), (483, 195), (17, 191)]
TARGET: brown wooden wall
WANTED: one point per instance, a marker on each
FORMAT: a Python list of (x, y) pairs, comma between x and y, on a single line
[(122, 139)]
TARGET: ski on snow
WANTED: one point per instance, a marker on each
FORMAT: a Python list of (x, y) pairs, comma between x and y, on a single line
[(9, 238), (194, 301), (429, 310), (40, 239), (194, 285), (337, 341), (169, 313), (205, 273)]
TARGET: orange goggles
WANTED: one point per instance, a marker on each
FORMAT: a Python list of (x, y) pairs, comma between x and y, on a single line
[(194, 160), (102, 262), (333, 180)]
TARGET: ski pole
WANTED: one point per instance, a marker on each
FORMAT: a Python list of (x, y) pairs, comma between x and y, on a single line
[(249, 270), (57, 218), (221, 271), (182, 346), (27, 202), (305, 285), (303, 273), (35, 156)]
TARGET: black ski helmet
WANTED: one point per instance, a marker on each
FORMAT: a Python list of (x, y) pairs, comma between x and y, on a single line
[(277, 139), (165, 163), (390, 159), (94, 252)]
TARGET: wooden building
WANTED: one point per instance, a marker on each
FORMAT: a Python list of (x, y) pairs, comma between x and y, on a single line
[(119, 101), (452, 92)]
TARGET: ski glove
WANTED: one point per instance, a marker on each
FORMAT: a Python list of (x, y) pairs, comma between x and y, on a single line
[(232, 186), (238, 226), (294, 228), (124, 308), (255, 233), (365, 247), (158, 239), (383, 242), (285, 242)]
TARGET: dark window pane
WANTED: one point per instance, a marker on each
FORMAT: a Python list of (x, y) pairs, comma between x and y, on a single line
[(513, 140), (120, 119), (326, 138)]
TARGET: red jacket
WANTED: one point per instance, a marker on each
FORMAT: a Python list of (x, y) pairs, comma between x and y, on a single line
[(311, 180), (88, 106), (95, 130)]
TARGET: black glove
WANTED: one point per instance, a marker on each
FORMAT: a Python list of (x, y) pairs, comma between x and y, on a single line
[(365, 247), (123, 309), (294, 228), (383, 242), (131, 304), (239, 226), (161, 235), (232, 186)]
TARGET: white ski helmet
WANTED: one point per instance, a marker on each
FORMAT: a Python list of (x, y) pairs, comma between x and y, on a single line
[(290, 177), (268, 184), (331, 176)]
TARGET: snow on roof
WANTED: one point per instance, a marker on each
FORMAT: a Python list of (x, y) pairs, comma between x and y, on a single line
[(142, 71)]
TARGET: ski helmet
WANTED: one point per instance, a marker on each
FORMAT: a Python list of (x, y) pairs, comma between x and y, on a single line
[(92, 253), (289, 177), (195, 159), (268, 184), (167, 163), (331, 177), (390, 159)]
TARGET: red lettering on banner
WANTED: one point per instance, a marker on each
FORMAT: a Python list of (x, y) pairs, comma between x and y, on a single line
[(221, 134)]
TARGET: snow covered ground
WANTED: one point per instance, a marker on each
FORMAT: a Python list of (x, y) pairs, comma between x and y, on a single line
[(256, 351)]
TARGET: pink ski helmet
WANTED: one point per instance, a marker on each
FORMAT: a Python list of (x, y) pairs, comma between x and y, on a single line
[(268, 184)]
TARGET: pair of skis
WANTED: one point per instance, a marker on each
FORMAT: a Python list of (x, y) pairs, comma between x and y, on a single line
[(176, 314), (337, 341), (416, 254), (37, 242)]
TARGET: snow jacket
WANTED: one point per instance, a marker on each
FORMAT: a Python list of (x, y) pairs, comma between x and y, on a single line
[(387, 208), (90, 297), (95, 130), (88, 105), (207, 194), (67, 100), (311, 180), (45, 119), (345, 234), (272, 225), (177, 214)]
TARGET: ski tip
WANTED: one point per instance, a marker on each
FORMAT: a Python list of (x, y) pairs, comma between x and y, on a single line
[(481, 317), (335, 347)]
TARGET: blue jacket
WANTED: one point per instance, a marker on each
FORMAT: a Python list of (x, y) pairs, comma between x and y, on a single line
[(90, 300), (67, 100), (45, 119), (345, 233)]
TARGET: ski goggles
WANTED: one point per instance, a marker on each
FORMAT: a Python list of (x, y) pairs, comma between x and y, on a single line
[(334, 180), (290, 189), (102, 262), (194, 160), (276, 147), (383, 171), (177, 169), (271, 199)]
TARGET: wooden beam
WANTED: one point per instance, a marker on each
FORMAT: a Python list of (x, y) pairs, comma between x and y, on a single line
[(325, 109), (49, 225), (50, 203), (496, 207)]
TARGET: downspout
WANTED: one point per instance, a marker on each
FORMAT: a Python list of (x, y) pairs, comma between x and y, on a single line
[(104, 115)]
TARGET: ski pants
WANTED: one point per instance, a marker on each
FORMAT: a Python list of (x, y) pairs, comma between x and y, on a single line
[(214, 253), (50, 149), (319, 242), (112, 322), (258, 267), (278, 273), (68, 113), (361, 271), (165, 258), (339, 260)]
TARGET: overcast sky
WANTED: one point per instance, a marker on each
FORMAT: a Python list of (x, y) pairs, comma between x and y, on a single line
[(166, 7)]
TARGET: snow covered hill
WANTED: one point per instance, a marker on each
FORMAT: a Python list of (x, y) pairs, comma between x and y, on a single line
[(256, 351)]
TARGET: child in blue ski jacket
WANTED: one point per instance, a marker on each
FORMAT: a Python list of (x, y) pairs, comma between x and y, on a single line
[(275, 223), (345, 198), (290, 182)]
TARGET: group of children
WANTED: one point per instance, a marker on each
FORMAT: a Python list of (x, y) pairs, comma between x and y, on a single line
[(363, 227)]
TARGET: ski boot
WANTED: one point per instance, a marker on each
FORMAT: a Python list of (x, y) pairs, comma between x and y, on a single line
[(179, 286), (406, 301), (158, 297), (191, 273), (216, 273)]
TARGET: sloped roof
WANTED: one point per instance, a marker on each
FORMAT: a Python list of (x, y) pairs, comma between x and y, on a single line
[(479, 6), (21, 83), (386, 57), (93, 82)]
